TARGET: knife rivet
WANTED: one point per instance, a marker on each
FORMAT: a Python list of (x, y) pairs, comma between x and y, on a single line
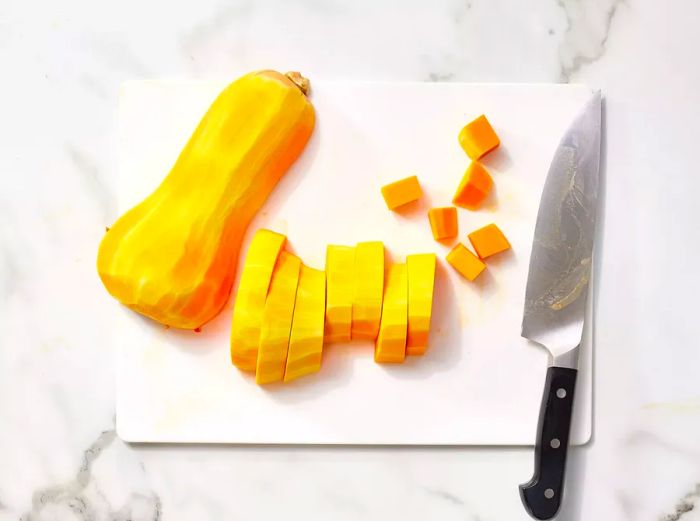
[(549, 493), (561, 393), (555, 443)]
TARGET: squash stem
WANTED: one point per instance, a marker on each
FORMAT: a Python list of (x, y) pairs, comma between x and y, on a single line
[(299, 80)]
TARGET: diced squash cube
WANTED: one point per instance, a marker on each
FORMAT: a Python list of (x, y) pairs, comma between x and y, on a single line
[(306, 338), (421, 286), (488, 241), (259, 264), (340, 270), (478, 138), (465, 262), (443, 222), (277, 320), (474, 188), (369, 290), (391, 342), (401, 192)]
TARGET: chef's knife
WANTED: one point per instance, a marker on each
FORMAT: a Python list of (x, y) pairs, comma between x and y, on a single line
[(555, 299)]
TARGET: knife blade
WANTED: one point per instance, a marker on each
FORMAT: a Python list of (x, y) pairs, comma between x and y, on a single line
[(556, 293)]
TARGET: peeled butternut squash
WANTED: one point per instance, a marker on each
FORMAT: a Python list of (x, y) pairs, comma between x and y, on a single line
[(478, 138), (277, 320), (465, 262), (251, 297), (443, 222), (474, 187), (285, 311), (173, 256), (340, 266), (488, 241), (369, 288), (390, 346), (421, 286), (306, 337), (401, 192)]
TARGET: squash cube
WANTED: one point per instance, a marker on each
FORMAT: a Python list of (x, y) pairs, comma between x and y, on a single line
[(474, 188), (488, 241), (443, 222), (401, 192), (478, 138), (465, 262)]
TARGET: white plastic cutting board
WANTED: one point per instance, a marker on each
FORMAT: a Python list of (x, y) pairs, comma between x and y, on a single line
[(479, 384)]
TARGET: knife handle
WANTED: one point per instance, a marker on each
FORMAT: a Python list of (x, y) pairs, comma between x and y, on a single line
[(543, 493)]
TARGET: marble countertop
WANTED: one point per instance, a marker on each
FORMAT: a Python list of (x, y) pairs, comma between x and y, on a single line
[(63, 63)]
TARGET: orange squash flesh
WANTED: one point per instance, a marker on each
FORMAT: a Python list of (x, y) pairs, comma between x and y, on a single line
[(340, 269), (390, 346), (306, 338), (368, 290), (465, 262), (443, 222), (488, 241), (258, 267), (478, 138), (277, 320), (474, 188), (421, 286), (401, 192)]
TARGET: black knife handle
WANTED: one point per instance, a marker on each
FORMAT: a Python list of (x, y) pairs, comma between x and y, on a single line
[(543, 493)]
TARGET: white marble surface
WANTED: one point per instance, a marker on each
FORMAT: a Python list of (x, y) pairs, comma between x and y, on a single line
[(62, 63)]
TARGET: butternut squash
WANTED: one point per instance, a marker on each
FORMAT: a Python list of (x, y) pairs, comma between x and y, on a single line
[(465, 262), (478, 138), (340, 268), (260, 262), (277, 320), (391, 341), (474, 188), (421, 286), (282, 312), (443, 222), (401, 192), (173, 256), (488, 241), (369, 288), (306, 339)]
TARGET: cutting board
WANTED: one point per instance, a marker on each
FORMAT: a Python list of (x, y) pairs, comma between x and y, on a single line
[(480, 383)]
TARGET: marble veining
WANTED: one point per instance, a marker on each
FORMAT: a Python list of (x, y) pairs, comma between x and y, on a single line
[(84, 498), (447, 496), (684, 506), (587, 33), (64, 62)]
